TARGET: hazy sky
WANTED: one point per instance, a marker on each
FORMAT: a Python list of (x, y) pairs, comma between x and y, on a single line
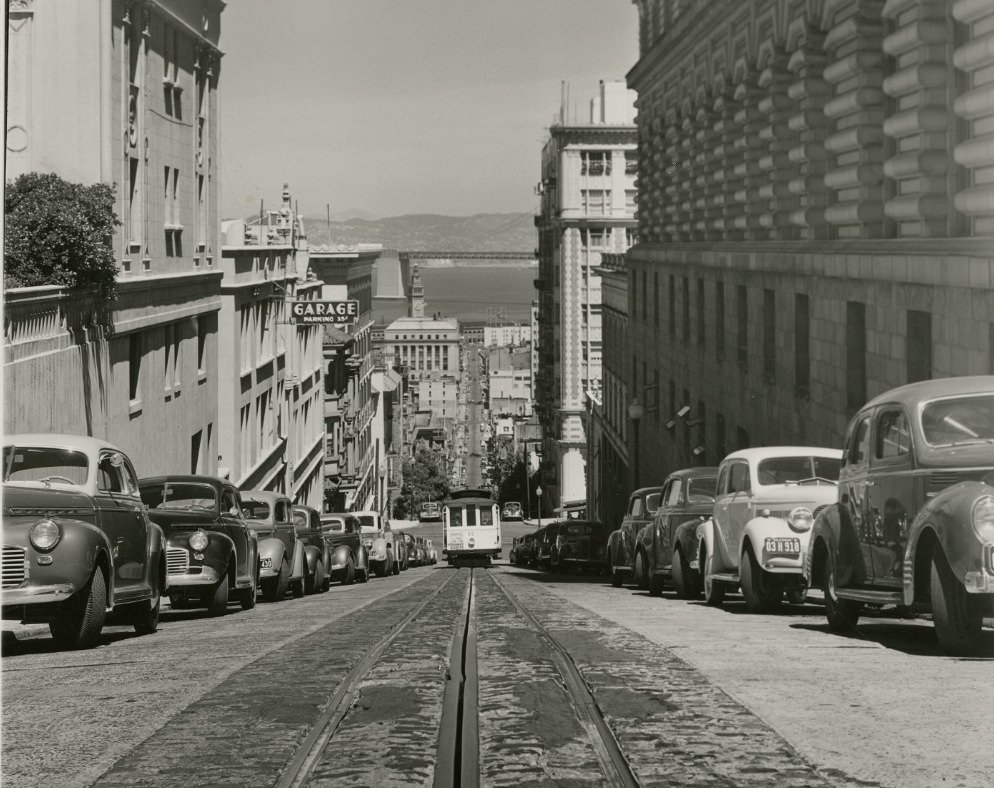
[(405, 106)]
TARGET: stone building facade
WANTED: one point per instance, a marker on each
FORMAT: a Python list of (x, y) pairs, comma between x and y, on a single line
[(587, 207), (815, 209), (132, 101)]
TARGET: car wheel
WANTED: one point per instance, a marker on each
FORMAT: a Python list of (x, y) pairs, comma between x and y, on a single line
[(641, 576), (246, 596), (309, 579), (297, 586), (759, 597), (146, 619), (177, 602), (349, 577), (617, 578), (217, 600), (274, 588), (320, 582), (842, 614), (79, 625), (683, 578), (714, 592), (957, 617), (656, 584), (364, 574), (396, 567)]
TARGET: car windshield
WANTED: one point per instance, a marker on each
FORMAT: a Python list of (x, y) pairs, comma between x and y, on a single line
[(44, 464), (300, 518), (334, 526), (957, 420), (797, 470), (179, 496), (255, 510), (701, 489), (577, 529)]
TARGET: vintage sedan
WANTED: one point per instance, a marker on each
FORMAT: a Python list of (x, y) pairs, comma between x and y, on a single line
[(412, 550), (211, 553), (432, 553), (671, 556), (914, 522), (580, 545), (511, 511), (77, 540), (623, 559), (349, 560), (380, 552), (757, 537), (395, 541), (281, 553), (317, 550)]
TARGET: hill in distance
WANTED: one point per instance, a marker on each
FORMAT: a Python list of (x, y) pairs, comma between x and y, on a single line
[(481, 232)]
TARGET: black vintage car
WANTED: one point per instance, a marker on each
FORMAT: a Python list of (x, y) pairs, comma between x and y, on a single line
[(671, 553), (580, 545), (211, 553), (914, 522), (349, 560), (317, 549)]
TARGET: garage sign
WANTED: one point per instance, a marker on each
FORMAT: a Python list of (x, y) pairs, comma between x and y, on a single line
[(337, 312)]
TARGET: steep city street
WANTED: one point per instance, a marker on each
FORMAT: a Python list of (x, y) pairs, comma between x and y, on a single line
[(306, 691)]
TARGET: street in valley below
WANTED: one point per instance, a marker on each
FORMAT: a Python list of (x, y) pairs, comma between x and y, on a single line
[(354, 686)]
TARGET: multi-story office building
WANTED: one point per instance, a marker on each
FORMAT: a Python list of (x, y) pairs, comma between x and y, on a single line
[(270, 394), (609, 427), (815, 214), (350, 463), (130, 101), (422, 345), (508, 335), (587, 208), (439, 394), (509, 389)]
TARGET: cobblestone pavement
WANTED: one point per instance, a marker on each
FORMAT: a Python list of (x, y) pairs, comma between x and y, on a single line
[(882, 708)]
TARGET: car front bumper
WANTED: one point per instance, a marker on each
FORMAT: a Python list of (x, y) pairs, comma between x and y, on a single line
[(207, 576), (38, 595)]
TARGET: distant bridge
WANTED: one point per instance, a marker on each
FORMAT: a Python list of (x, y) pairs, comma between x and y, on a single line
[(467, 255)]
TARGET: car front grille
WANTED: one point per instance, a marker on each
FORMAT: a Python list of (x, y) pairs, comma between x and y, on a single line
[(177, 561), (15, 566)]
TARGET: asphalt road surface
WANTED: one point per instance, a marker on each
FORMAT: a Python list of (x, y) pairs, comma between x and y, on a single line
[(504, 675)]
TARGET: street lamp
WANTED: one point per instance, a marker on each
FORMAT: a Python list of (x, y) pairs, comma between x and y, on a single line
[(538, 493), (635, 413)]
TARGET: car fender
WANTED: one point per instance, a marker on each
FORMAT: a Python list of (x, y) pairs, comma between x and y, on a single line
[(759, 528), (340, 554), (297, 563), (705, 538), (271, 547), (685, 537), (949, 517), (220, 548), (362, 557), (312, 555), (156, 573)]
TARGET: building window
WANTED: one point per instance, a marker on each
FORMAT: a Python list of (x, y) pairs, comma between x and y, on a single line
[(686, 310), (672, 306), (802, 346), (719, 320), (202, 346), (135, 221), (134, 367), (631, 238), (645, 296), (742, 335), (655, 299), (742, 439), (594, 201), (918, 345), (630, 201), (769, 336), (596, 238), (196, 451), (701, 323), (595, 162), (631, 162), (855, 356)]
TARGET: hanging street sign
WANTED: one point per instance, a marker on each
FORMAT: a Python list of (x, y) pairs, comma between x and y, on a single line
[(337, 312)]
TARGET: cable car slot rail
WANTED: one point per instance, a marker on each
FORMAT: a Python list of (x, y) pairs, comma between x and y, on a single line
[(617, 771), (300, 767)]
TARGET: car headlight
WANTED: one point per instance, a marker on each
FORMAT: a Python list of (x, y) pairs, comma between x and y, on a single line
[(801, 519), (199, 541), (983, 517), (44, 535)]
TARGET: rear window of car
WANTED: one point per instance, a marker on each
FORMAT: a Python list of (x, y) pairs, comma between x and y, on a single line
[(652, 501), (958, 420), (701, 489), (336, 526), (38, 464), (786, 470), (367, 521), (179, 496), (255, 510), (577, 529)]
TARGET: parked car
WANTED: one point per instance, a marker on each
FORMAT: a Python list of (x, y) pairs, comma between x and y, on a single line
[(211, 554), (767, 499), (77, 539), (317, 550), (281, 553), (412, 550), (623, 560), (512, 511), (687, 500), (546, 554), (349, 559), (580, 545), (432, 553), (379, 551), (395, 541), (914, 521), (430, 512)]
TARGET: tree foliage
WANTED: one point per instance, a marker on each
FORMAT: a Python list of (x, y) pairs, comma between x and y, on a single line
[(59, 233), (425, 479)]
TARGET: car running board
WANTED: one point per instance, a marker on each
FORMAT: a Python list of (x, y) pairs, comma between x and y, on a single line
[(722, 577), (873, 597)]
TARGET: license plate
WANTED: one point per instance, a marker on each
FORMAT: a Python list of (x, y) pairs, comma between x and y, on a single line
[(782, 545), (267, 563)]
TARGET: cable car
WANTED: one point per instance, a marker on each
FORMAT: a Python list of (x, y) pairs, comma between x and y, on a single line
[(470, 528)]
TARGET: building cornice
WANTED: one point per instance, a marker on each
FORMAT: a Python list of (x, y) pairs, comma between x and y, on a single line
[(927, 247), (130, 283), (161, 9)]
